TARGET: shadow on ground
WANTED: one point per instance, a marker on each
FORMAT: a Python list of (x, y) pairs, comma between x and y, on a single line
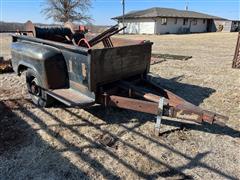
[(192, 93), (73, 172), (16, 134), (25, 135)]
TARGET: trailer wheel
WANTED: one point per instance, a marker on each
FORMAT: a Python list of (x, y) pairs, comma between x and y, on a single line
[(38, 95)]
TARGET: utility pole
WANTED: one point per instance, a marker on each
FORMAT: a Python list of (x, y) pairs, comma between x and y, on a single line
[(123, 11), (186, 5)]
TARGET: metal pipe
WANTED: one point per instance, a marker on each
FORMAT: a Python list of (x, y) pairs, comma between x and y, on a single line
[(123, 23)]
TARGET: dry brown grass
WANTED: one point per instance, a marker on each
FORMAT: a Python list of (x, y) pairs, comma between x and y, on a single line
[(60, 143)]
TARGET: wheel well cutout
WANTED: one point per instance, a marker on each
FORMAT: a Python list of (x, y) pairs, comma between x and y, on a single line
[(21, 69)]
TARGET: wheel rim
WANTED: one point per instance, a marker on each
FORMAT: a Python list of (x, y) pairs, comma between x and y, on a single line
[(34, 87)]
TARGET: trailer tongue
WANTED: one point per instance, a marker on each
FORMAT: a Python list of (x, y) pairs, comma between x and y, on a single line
[(144, 95)]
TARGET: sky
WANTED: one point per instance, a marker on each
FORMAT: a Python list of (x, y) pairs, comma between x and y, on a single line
[(103, 10)]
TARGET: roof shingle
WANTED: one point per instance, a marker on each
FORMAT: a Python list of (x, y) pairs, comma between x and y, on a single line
[(166, 12)]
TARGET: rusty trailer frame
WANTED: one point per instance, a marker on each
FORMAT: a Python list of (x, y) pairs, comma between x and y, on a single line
[(144, 95)]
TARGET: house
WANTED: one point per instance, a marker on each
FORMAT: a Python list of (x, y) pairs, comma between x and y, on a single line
[(167, 21)]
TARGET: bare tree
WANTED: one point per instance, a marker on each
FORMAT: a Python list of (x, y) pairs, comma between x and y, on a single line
[(67, 10)]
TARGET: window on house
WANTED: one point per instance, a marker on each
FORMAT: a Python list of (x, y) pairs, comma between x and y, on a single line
[(204, 21), (194, 21), (164, 21), (185, 21), (175, 21)]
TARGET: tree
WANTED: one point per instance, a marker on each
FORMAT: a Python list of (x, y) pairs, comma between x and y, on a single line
[(67, 10)]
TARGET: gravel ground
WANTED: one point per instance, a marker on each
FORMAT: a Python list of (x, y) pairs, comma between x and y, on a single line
[(66, 143)]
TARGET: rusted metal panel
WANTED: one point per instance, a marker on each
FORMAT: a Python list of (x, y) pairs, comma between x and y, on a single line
[(81, 88), (236, 59), (78, 67), (71, 97), (133, 104), (111, 64)]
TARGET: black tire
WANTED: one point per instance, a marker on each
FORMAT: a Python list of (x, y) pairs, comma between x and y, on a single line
[(38, 95)]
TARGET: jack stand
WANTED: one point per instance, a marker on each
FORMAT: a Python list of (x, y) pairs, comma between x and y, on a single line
[(159, 116)]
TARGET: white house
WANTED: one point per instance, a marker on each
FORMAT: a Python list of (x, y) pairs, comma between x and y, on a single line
[(166, 21)]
